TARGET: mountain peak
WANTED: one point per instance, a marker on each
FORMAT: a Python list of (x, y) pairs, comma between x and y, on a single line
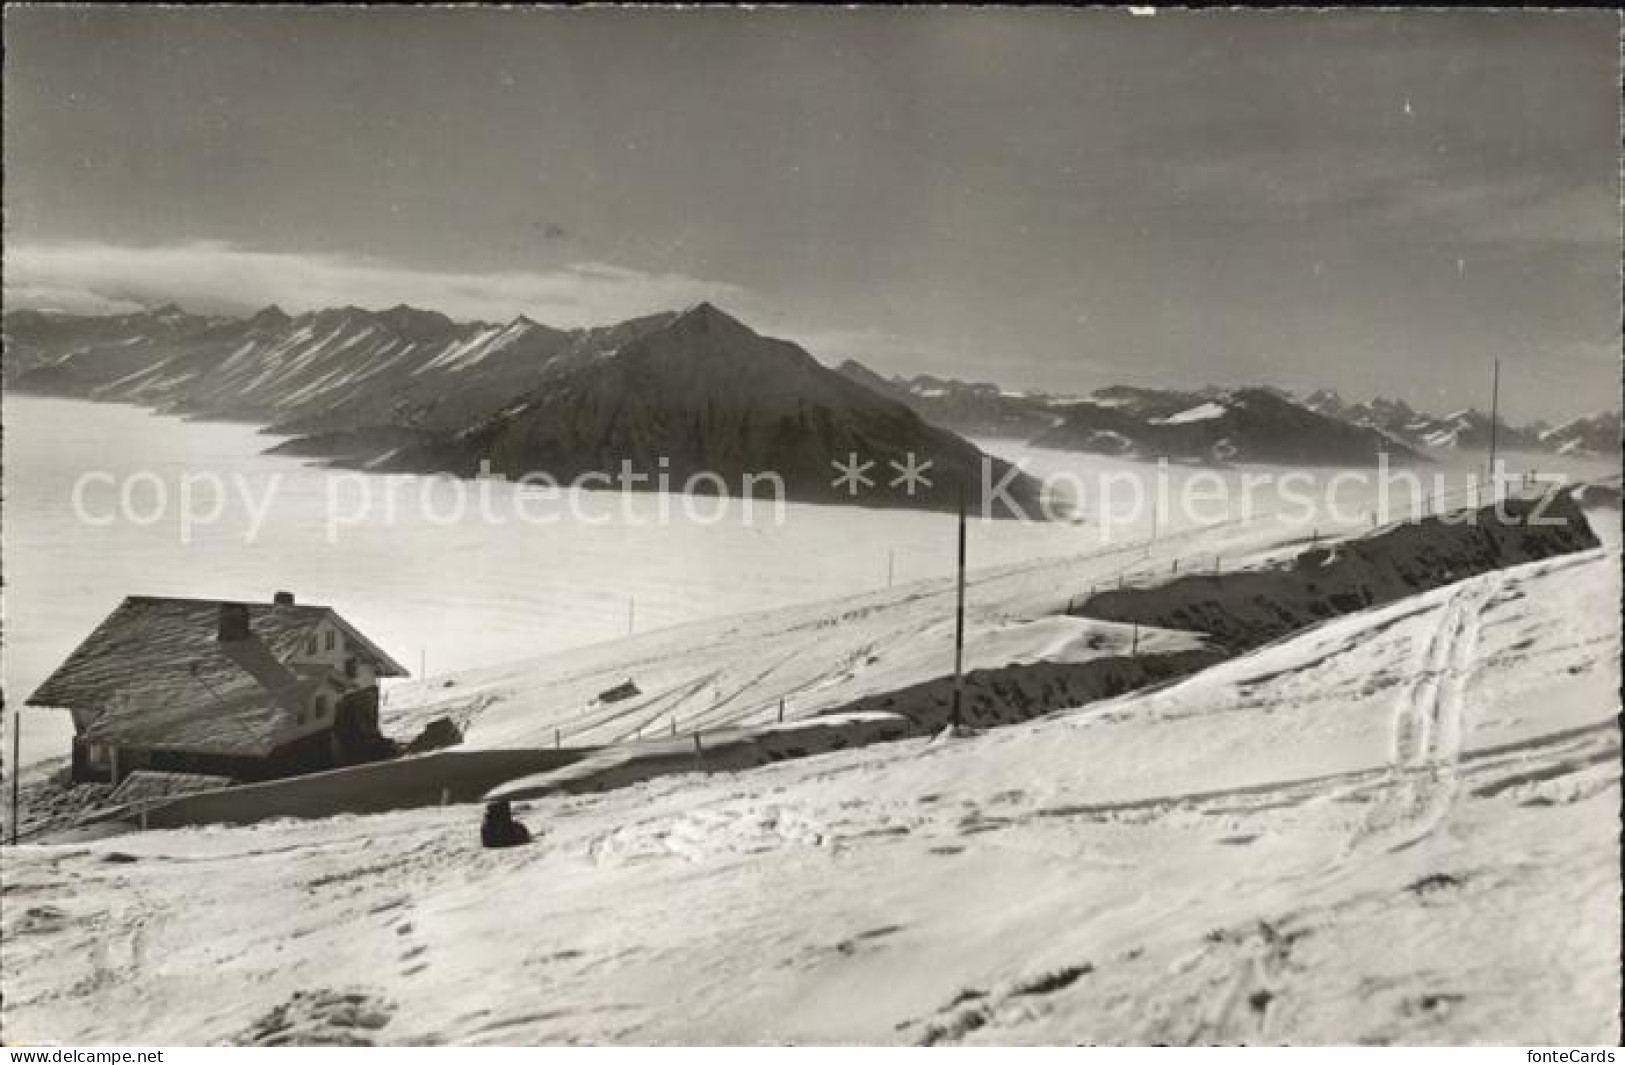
[(414, 321), (705, 325), (270, 315), (708, 314)]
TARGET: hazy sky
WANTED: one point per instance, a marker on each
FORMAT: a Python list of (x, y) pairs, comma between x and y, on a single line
[(1046, 198)]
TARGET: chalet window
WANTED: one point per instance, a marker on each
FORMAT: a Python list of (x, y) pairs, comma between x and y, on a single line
[(332, 639), (310, 645), (350, 667)]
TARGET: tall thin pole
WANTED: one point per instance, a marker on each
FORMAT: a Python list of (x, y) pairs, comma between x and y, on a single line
[(423, 662), (16, 769), (1495, 404), (631, 614), (891, 565), (959, 618)]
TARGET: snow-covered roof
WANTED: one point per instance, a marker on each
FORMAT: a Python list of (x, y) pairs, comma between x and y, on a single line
[(148, 785), (157, 674)]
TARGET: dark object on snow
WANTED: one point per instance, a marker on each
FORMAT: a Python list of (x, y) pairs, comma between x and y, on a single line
[(439, 733), (499, 829), (624, 690)]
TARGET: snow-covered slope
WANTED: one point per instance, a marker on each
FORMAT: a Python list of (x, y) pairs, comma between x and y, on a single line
[(824, 657), (1399, 827)]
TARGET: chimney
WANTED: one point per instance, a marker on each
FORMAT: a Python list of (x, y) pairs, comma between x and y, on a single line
[(233, 623), (283, 599)]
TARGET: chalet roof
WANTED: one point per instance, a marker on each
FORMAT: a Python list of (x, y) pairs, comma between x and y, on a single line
[(227, 714), (158, 676), (147, 785)]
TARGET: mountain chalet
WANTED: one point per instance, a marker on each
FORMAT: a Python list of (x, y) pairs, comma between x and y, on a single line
[(249, 691)]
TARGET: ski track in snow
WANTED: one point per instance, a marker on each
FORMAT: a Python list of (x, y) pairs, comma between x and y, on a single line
[(1428, 726)]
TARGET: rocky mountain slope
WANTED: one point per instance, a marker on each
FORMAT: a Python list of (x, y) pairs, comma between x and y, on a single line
[(340, 367), (702, 393), (1598, 435)]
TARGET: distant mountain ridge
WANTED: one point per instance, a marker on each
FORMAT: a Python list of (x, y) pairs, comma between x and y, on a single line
[(411, 390), (322, 370), (1217, 427), (978, 408), (1595, 436), (408, 388)]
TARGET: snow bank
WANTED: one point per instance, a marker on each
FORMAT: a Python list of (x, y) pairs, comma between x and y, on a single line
[(1250, 607)]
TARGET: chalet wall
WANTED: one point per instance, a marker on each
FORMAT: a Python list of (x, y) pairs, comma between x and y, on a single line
[(328, 646)]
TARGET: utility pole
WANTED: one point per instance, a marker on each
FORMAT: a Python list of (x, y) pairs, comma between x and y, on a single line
[(16, 768), (1495, 404), (954, 719), (423, 662), (891, 565)]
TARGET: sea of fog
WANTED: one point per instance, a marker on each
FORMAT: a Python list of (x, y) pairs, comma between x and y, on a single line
[(103, 501)]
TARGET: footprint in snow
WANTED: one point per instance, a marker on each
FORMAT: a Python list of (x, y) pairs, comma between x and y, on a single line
[(321, 1017)]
